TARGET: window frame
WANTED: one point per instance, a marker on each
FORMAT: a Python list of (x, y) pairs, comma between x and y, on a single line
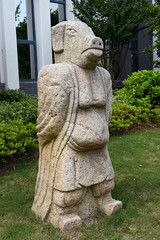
[(135, 53), (60, 2), (30, 42)]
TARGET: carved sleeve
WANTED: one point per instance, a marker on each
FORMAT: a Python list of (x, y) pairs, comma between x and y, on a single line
[(108, 90), (109, 100), (53, 106)]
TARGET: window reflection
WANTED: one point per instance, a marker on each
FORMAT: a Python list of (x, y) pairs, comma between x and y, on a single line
[(24, 30), (57, 13), (23, 18)]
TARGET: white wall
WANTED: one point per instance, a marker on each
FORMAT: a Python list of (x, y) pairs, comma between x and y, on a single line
[(69, 8), (30, 36), (9, 60), (43, 32)]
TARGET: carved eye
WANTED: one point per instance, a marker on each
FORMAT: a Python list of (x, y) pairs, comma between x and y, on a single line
[(71, 30)]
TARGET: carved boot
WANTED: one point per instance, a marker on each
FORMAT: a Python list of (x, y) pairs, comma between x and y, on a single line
[(109, 205), (64, 212), (105, 201)]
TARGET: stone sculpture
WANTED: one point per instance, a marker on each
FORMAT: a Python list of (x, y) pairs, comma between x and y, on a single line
[(75, 175)]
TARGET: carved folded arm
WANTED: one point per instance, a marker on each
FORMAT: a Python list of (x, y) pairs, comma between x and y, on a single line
[(53, 108), (109, 102), (109, 96)]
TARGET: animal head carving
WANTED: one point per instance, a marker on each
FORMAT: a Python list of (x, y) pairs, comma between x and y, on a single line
[(74, 42)]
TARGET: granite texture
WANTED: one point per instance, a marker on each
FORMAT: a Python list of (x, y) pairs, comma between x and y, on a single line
[(75, 176)]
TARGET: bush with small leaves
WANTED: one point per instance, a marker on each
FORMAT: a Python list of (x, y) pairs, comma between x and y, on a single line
[(25, 110), (16, 139), (141, 89), (10, 95), (155, 116), (125, 116)]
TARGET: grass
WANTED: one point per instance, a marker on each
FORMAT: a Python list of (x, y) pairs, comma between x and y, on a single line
[(136, 161)]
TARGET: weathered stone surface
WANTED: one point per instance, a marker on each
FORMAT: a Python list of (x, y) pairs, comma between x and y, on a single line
[(75, 175), (69, 221)]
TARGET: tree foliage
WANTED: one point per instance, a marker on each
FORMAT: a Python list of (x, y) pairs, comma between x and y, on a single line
[(116, 22), (18, 11), (54, 17), (153, 22)]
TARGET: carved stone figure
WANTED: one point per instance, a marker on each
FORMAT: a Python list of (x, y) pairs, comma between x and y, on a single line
[(75, 175)]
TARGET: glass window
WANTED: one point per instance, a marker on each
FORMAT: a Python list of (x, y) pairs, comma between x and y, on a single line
[(25, 39), (24, 21), (24, 61), (134, 54), (134, 62), (57, 13)]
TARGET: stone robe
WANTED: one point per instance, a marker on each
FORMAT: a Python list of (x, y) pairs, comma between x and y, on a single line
[(74, 113)]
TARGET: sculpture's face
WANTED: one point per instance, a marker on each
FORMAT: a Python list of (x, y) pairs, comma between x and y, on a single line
[(77, 44)]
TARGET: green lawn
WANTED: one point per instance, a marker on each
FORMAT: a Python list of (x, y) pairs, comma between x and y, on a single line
[(136, 161)]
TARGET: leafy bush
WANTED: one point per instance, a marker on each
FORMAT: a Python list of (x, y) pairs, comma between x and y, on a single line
[(141, 89), (10, 95), (155, 116), (17, 129), (126, 116), (16, 139), (25, 110)]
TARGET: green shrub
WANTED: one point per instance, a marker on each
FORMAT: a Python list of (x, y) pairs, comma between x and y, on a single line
[(155, 116), (16, 139), (10, 95), (126, 116), (137, 103), (141, 89), (25, 110)]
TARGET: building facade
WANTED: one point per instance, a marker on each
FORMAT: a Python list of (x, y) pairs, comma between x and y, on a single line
[(25, 41)]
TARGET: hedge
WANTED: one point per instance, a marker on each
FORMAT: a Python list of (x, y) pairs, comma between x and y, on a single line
[(16, 139)]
